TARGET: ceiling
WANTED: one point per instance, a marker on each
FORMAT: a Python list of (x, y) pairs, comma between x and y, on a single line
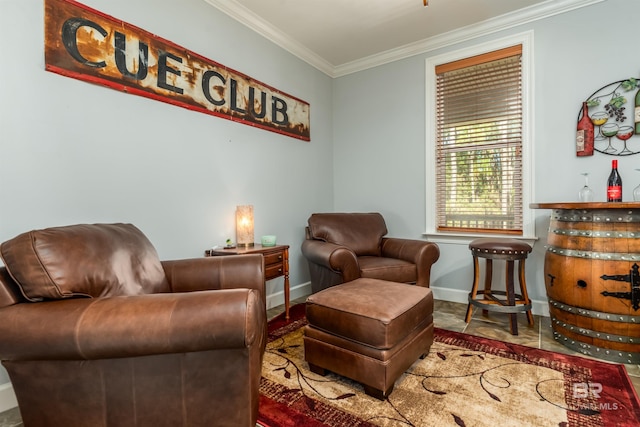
[(343, 36)]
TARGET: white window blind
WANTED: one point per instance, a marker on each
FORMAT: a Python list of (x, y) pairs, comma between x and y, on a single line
[(479, 143)]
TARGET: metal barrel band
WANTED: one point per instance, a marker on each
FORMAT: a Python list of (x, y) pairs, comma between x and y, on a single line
[(596, 233), (611, 317), (603, 256), (622, 339), (595, 351), (596, 215)]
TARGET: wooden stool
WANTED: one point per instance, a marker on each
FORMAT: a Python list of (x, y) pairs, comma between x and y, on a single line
[(509, 250)]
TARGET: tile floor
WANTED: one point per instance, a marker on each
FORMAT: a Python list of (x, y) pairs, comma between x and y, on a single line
[(450, 315)]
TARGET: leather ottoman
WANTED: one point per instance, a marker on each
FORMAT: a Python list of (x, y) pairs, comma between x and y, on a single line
[(368, 330)]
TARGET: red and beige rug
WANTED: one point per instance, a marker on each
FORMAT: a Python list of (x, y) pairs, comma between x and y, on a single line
[(465, 381)]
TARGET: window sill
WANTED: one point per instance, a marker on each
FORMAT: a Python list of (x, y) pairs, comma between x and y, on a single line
[(465, 239)]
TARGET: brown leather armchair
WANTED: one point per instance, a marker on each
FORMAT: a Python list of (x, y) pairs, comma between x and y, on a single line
[(95, 331), (341, 247)]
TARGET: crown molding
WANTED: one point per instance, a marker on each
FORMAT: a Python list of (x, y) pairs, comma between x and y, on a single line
[(268, 31), (500, 23)]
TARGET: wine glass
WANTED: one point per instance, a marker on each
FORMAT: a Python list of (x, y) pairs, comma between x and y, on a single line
[(586, 194), (598, 119), (624, 133), (609, 130), (636, 192)]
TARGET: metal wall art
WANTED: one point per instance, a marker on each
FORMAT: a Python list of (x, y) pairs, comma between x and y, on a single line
[(609, 118), (88, 45)]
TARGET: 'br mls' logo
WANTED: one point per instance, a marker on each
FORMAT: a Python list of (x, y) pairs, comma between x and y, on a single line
[(587, 390), (581, 390)]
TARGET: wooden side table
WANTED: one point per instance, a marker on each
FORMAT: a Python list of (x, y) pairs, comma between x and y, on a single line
[(276, 263)]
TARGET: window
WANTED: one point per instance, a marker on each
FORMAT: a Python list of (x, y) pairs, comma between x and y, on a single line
[(478, 143)]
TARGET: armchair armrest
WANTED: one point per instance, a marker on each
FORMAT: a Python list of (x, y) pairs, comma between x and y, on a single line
[(422, 254), (210, 273), (130, 326), (339, 259)]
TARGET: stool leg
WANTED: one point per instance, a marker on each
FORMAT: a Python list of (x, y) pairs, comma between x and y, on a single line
[(523, 290), (474, 289), (488, 278), (511, 298)]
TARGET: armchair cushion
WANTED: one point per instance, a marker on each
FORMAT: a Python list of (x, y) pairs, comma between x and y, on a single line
[(389, 269), (360, 232), (118, 259)]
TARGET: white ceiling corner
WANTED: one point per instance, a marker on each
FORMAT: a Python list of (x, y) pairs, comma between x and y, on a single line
[(341, 37)]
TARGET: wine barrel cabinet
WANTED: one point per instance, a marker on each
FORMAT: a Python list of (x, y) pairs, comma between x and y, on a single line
[(591, 277)]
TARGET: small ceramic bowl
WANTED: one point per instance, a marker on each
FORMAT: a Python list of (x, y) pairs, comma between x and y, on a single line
[(268, 240)]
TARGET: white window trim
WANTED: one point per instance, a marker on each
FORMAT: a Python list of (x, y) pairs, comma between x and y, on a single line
[(528, 219)]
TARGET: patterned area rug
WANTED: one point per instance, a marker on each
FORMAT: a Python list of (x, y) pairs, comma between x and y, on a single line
[(465, 381)]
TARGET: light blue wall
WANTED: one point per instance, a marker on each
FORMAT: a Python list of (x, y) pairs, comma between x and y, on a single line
[(73, 152), (379, 128), (379, 147)]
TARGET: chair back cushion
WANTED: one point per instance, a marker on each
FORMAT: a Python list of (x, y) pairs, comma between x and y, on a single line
[(90, 260), (360, 232)]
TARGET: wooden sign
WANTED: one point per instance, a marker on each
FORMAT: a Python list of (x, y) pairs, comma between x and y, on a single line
[(88, 45)]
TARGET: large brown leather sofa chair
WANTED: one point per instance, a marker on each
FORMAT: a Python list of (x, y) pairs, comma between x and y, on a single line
[(96, 331), (341, 247)]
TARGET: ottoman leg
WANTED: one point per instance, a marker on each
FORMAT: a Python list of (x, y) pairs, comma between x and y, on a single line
[(376, 393), (317, 370)]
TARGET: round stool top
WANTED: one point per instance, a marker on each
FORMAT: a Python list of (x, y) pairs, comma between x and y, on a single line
[(491, 246)]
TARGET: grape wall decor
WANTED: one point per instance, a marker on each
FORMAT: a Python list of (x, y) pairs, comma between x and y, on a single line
[(609, 118)]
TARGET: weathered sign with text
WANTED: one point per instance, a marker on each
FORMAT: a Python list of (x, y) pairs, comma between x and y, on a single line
[(88, 45)]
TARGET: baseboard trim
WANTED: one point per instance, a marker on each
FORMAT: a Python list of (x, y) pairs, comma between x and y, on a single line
[(7, 397), (276, 299), (540, 308)]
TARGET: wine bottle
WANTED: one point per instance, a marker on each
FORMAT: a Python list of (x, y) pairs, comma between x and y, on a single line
[(636, 114), (584, 136), (614, 184)]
